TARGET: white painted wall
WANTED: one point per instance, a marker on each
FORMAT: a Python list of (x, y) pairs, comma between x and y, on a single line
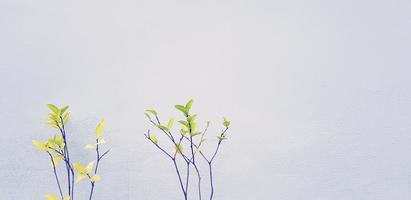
[(319, 93)]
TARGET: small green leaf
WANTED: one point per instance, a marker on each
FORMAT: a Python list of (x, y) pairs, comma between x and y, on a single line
[(193, 127), (191, 118), (152, 111), (95, 178), (65, 117), (62, 110), (184, 130), (51, 197), (57, 159), (226, 122), (185, 123), (53, 108), (188, 105), (40, 145), (153, 138), (170, 124), (163, 128), (100, 128), (182, 109)]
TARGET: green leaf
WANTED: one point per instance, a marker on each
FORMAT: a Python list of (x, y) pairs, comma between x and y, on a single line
[(147, 115), (193, 127), (95, 178), (182, 109), (152, 111), (65, 117), (153, 138), (188, 105), (185, 123), (226, 122), (100, 128), (163, 128), (64, 109), (184, 130), (53, 108), (170, 124), (40, 145), (191, 118), (51, 197), (57, 159)]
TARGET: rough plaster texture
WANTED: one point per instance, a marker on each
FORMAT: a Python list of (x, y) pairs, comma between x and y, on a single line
[(319, 93)]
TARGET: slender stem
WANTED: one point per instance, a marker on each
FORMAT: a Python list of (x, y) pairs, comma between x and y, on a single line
[(164, 151), (211, 180), (70, 171), (55, 175), (66, 160), (99, 158), (199, 181), (219, 143), (187, 176), (91, 192), (95, 170), (179, 178)]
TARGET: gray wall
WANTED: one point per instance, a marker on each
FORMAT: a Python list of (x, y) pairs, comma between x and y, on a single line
[(319, 93)]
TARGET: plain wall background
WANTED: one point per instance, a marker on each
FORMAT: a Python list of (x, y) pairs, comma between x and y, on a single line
[(318, 92)]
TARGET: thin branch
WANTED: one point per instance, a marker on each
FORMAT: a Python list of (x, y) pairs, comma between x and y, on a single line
[(55, 175), (218, 145), (164, 151)]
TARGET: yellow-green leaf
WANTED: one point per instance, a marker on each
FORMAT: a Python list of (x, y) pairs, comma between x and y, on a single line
[(51, 197), (89, 167), (191, 118), (182, 109), (53, 108), (184, 130), (66, 198), (189, 104), (57, 159), (226, 122), (152, 111), (79, 167), (91, 146), (170, 124), (80, 177), (95, 178), (163, 128), (185, 123), (66, 117), (62, 110), (153, 138), (100, 128), (58, 140), (40, 145)]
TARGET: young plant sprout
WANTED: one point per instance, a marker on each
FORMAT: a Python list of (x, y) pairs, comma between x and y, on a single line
[(57, 149), (187, 145)]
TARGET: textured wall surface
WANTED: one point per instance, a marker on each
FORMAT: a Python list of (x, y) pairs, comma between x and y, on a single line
[(318, 92)]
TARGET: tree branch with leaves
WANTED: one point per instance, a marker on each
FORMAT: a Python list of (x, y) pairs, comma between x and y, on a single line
[(57, 149), (188, 137)]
